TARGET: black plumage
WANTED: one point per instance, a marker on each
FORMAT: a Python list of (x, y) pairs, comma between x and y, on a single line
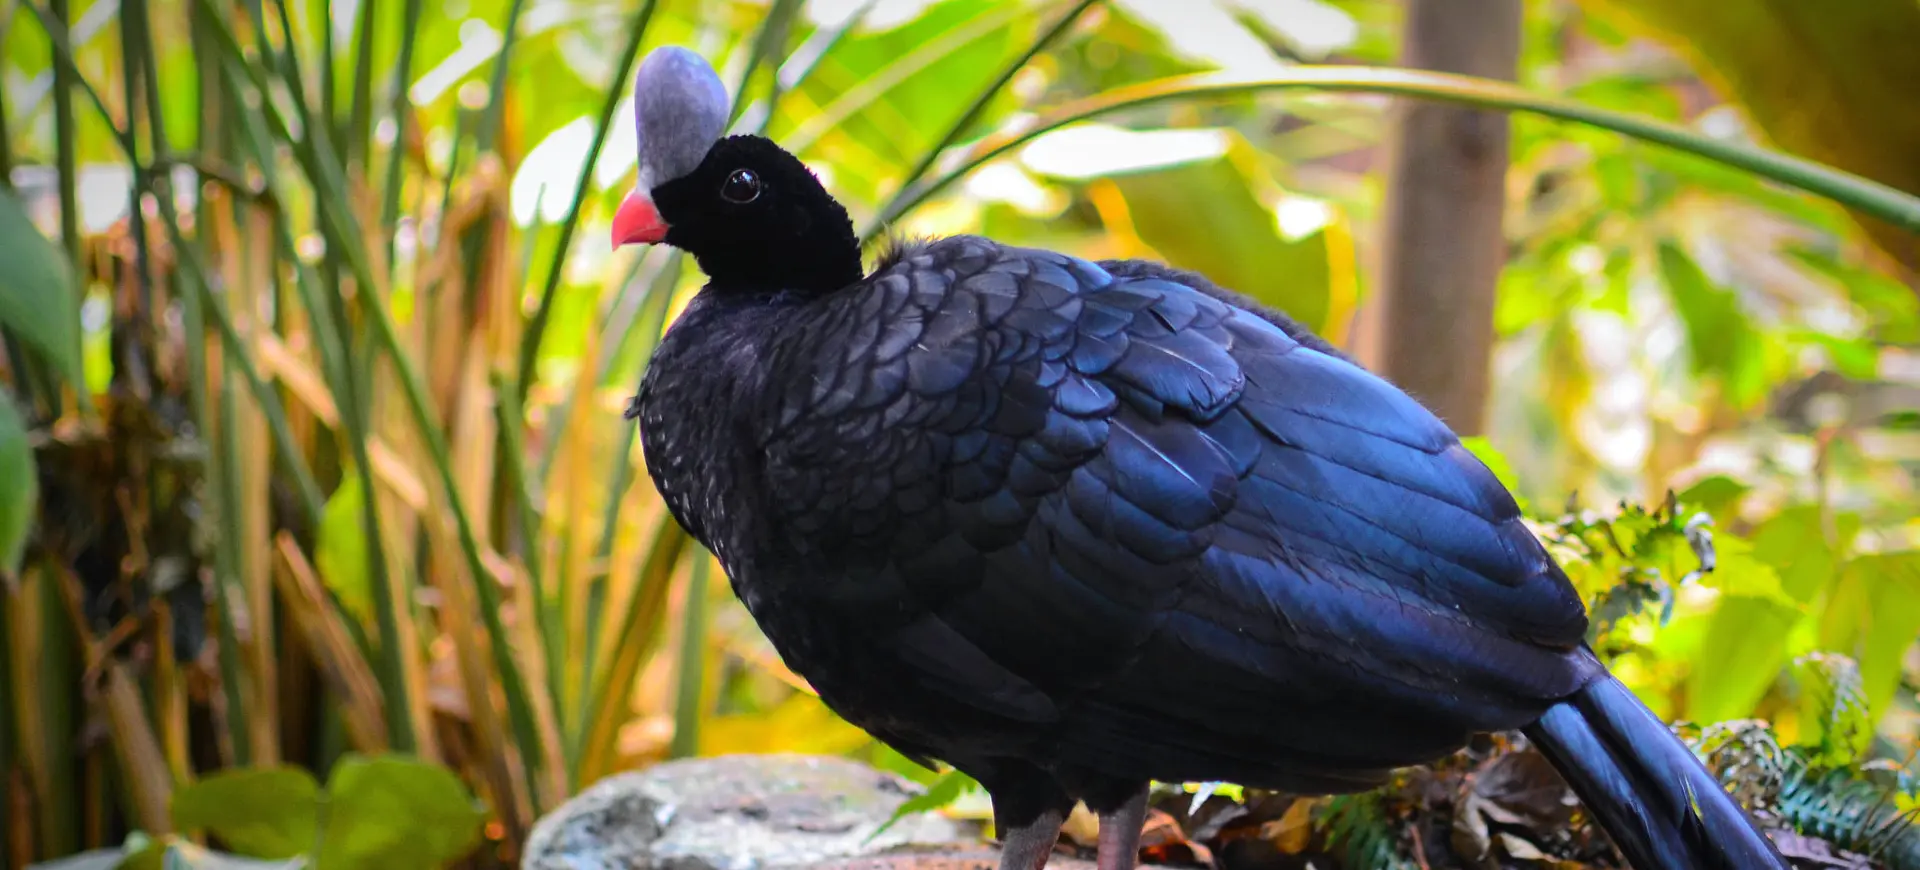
[(1074, 526)]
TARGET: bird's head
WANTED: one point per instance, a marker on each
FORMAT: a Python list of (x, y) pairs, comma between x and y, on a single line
[(750, 213)]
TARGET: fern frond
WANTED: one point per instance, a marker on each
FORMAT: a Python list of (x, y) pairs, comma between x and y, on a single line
[(1798, 790), (1853, 813), (1358, 828)]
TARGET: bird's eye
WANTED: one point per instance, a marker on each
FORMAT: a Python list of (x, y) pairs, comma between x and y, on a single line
[(743, 186)]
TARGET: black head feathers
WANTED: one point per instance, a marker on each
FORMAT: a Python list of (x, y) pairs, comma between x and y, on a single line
[(755, 217)]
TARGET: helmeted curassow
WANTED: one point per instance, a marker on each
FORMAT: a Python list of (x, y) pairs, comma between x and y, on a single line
[(1075, 526)]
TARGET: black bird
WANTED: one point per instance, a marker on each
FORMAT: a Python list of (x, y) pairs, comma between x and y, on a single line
[(1074, 526)]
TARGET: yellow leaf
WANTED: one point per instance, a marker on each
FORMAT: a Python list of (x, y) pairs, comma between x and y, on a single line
[(799, 724), (1293, 830)]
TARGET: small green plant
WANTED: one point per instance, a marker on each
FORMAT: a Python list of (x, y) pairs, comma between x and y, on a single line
[(1363, 834), (382, 811), (1865, 807)]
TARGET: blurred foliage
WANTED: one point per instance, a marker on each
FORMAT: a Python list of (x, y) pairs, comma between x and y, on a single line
[(36, 291), (18, 503), (320, 347), (385, 811), (1815, 80)]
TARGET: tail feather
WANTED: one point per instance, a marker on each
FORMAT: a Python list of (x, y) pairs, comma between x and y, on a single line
[(1658, 802)]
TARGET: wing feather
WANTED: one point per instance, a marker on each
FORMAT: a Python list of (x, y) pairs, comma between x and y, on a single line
[(1177, 529)]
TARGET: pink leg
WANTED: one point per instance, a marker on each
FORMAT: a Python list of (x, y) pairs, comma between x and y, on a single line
[(1120, 834), (1027, 847)]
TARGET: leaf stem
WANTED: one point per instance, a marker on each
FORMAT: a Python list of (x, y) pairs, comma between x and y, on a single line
[(66, 162), (692, 670), (537, 324), (993, 89), (1870, 197), (402, 109)]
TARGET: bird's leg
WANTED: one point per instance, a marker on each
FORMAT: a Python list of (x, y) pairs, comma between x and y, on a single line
[(1027, 846), (1120, 833)]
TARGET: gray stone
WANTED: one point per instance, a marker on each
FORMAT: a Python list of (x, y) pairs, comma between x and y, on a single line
[(949, 858), (742, 812)]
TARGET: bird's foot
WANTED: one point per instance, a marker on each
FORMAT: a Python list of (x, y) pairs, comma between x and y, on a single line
[(1027, 847), (1120, 833)]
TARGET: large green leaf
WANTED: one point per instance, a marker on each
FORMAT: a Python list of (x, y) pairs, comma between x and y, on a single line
[(1873, 615), (1206, 216), (37, 297), (260, 812), (19, 487), (1743, 653), (1831, 81), (394, 811), (1722, 340)]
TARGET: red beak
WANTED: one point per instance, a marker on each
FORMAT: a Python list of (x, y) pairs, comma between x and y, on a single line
[(638, 221)]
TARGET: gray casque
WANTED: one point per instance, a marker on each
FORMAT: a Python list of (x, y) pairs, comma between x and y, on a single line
[(679, 109)]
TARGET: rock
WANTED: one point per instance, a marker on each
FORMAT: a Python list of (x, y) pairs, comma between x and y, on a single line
[(980, 857), (750, 812)]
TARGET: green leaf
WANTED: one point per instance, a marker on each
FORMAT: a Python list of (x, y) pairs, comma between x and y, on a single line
[(1873, 615), (942, 792), (1721, 339), (395, 811), (1892, 308), (38, 301), (1721, 181), (340, 550), (1206, 216), (19, 488), (261, 812), (1857, 358), (1743, 653), (1737, 573), (1714, 495)]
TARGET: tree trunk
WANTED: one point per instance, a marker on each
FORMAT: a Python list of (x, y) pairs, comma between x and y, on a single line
[(1429, 326)]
